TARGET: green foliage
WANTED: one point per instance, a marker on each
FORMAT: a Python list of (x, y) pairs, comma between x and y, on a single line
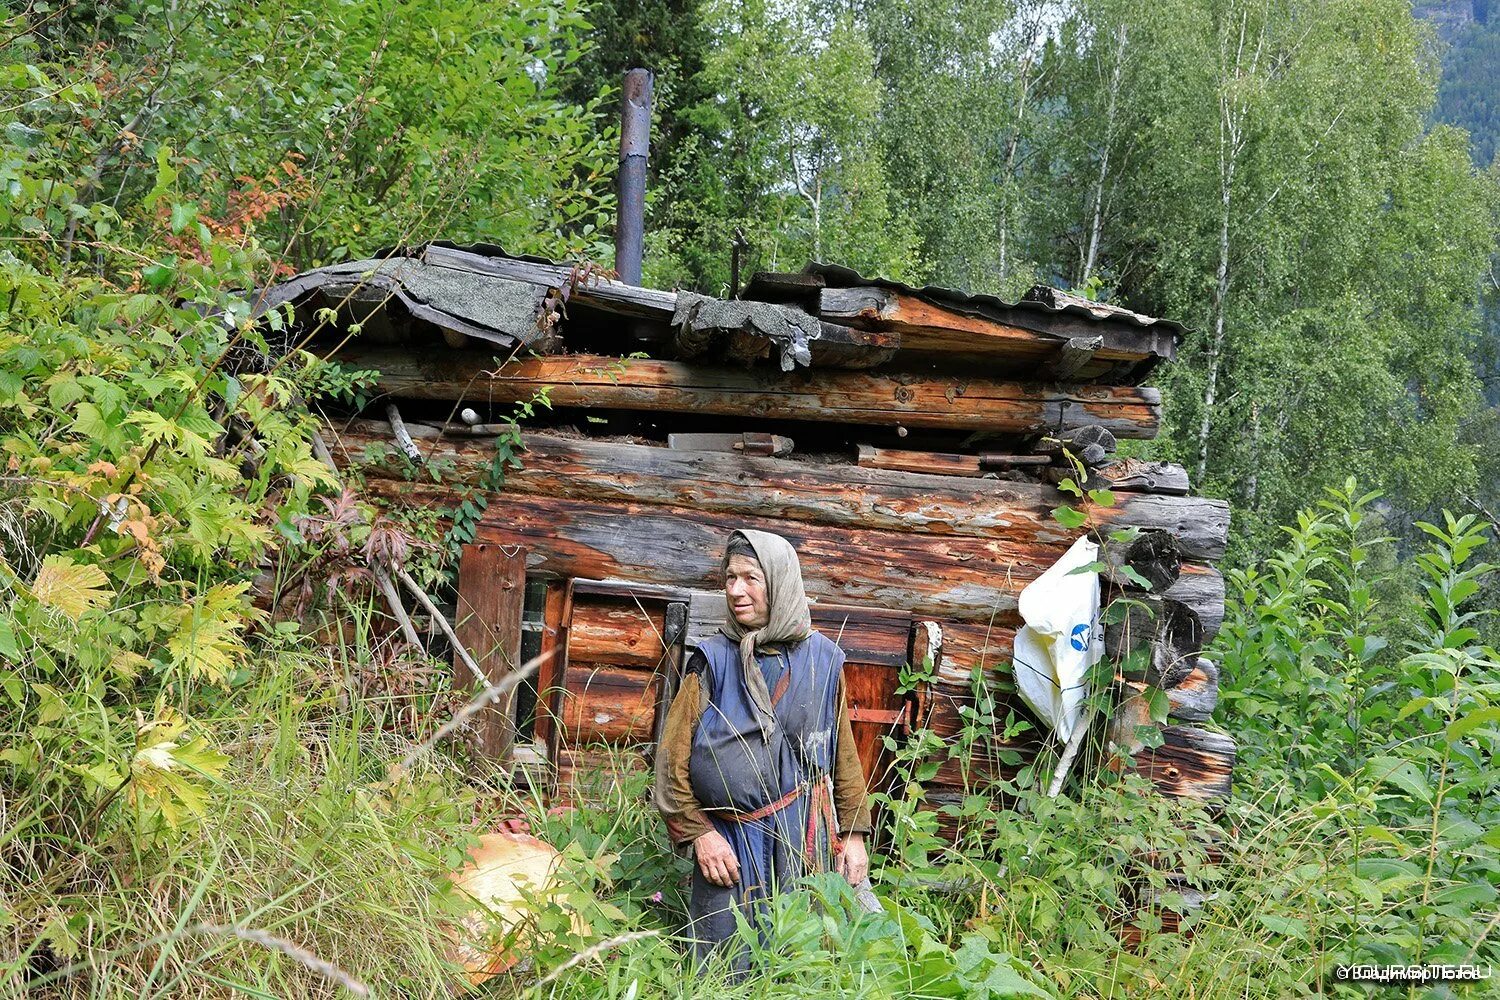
[(1467, 91), (1361, 694)]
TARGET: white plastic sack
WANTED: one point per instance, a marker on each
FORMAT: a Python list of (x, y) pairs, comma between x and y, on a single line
[(1060, 640)]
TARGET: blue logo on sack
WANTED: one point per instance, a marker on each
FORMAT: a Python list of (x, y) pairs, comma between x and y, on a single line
[(1080, 639)]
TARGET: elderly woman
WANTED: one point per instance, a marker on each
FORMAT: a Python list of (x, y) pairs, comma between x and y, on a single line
[(757, 769)]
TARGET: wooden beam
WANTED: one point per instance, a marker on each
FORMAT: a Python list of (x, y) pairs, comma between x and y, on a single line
[(603, 293), (1021, 334), (1190, 764), (841, 495), (941, 463), (940, 576), (1071, 357), (491, 595), (825, 396)]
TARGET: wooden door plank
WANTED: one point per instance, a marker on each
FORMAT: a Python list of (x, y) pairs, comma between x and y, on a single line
[(491, 596)]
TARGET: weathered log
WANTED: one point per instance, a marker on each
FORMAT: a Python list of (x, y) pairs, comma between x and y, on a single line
[(1202, 589), (1191, 763), (1194, 697), (1154, 556), (1136, 475), (928, 327), (1071, 358), (1155, 640), (597, 382), (615, 632), (584, 469), (603, 703), (955, 576), (941, 463)]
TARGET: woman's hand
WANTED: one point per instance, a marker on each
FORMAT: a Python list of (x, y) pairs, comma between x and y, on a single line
[(716, 859), (853, 862)]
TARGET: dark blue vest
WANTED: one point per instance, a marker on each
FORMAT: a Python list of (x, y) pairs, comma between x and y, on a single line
[(734, 765)]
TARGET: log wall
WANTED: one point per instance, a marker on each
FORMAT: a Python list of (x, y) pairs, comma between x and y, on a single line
[(953, 552)]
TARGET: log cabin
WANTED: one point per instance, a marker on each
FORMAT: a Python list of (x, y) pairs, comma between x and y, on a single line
[(589, 444)]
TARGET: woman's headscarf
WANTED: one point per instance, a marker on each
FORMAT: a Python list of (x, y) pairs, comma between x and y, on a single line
[(789, 619)]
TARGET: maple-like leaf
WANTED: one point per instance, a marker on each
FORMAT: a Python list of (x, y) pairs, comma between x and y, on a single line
[(69, 587)]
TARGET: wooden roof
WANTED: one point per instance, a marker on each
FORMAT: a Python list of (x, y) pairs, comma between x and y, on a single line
[(826, 316)]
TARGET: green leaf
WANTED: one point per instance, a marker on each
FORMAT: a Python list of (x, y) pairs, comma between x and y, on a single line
[(1069, 518), (1459, 728), (1403, 774), (1104, 498), (158, 276), (1287, 926), (182, 215)]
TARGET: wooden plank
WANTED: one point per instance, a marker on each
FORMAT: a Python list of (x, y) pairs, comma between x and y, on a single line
[(1071, 358), (1031, 335), (599, 292), (491, 595), (856, 397), (1190, 764), (876, 636), (747, 442), (844, 495), (556, 613), (941, 463)]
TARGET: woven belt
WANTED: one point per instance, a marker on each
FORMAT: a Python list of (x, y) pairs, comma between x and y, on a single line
[(820, 807)]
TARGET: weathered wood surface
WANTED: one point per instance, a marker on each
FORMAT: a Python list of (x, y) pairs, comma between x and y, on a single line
[(619, 633), (1137, 475), (746, 443), (597, 382), (491, 593), (1194, 698), (1072, 357), (1154, 556), (1201, 588), (600, 292), (942, 576), (930, 328), (942, 463), (1191, 763), (603, 703), (846, 495)]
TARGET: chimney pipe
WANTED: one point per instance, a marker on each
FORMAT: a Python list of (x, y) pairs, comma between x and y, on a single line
[(635, 144)]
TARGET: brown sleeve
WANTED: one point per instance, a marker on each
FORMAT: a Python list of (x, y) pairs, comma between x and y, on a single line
[(850, 795), (672, 791)]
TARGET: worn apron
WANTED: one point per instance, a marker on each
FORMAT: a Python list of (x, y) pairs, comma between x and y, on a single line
[(768, 793)]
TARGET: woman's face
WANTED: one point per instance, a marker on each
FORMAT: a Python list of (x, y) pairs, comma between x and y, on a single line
[(745, 584)]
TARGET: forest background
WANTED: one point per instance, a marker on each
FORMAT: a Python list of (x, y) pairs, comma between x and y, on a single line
[(1310, 186)]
